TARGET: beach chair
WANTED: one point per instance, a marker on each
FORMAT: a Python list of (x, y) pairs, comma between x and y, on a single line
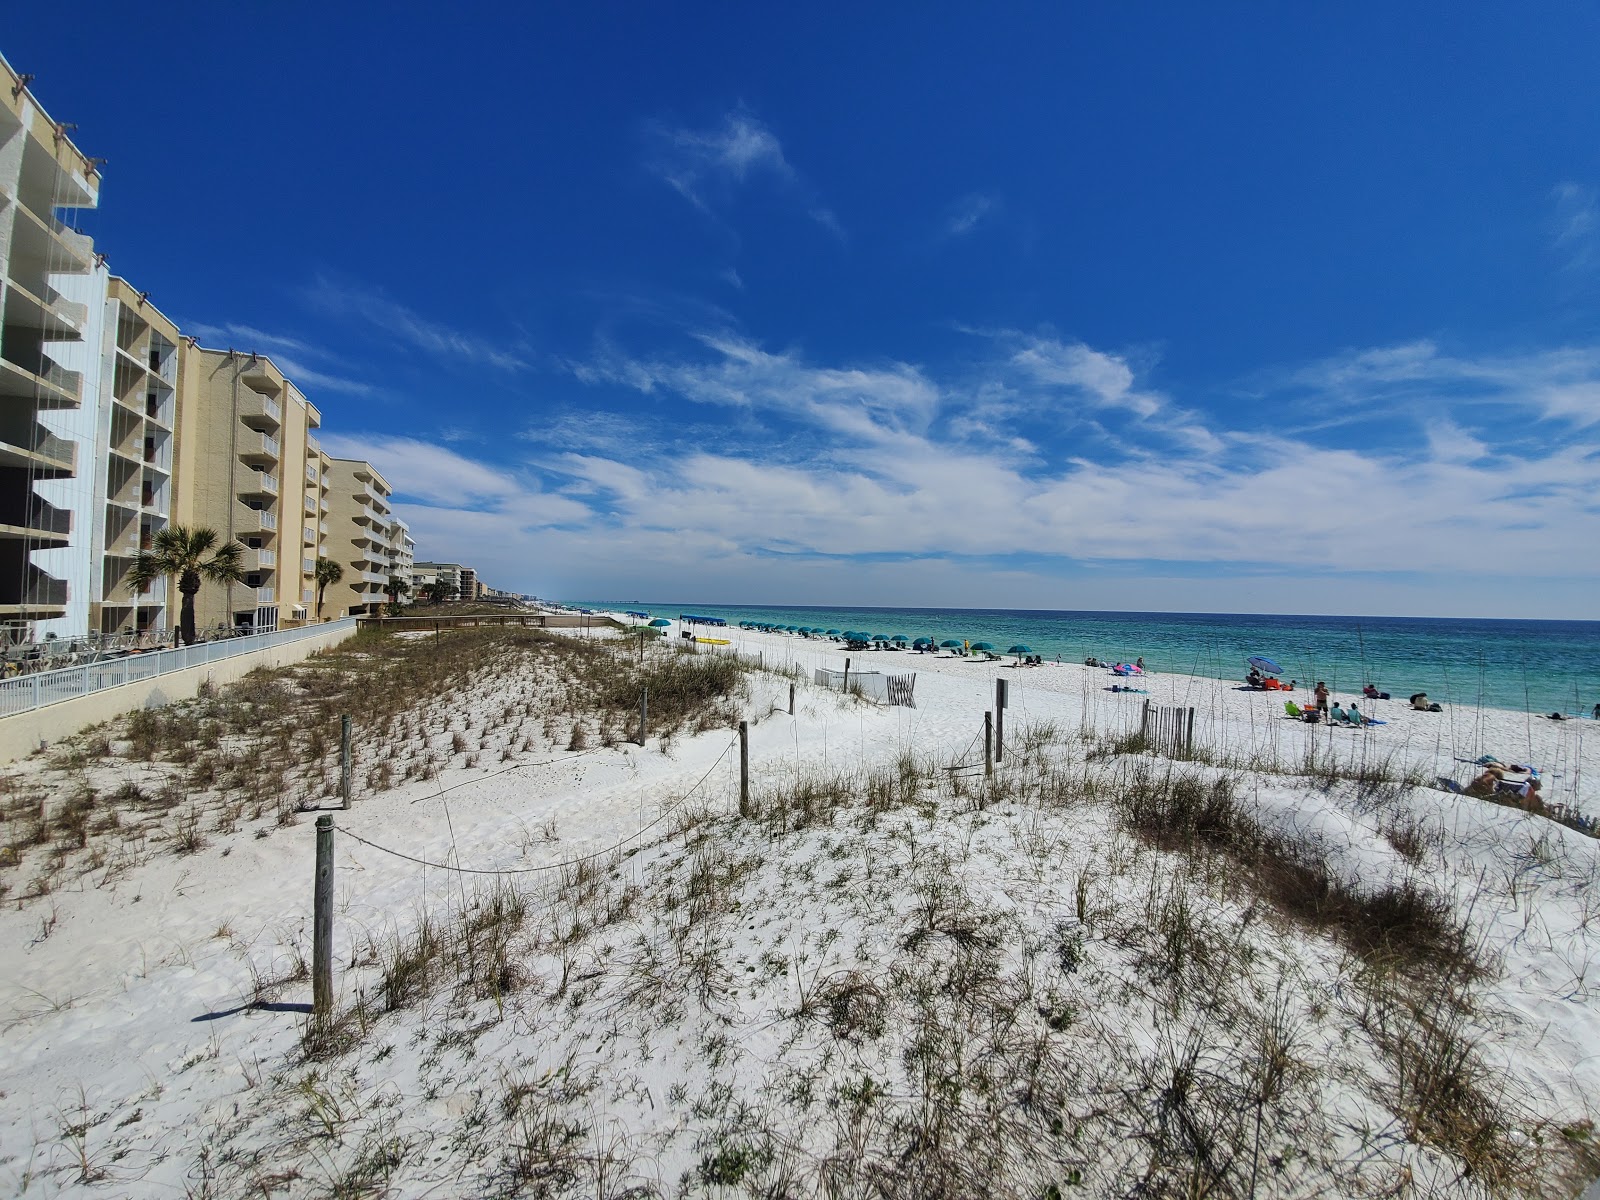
[(1294, 710)]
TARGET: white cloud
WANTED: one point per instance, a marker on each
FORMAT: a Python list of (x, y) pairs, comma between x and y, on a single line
[(968, 213), (1104, 379), (704, 165), (402, 324), (890, 462), (1575, 224)]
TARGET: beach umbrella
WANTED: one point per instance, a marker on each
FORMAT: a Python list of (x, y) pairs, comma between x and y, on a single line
[(879, 637), (1019, 648), (833, 633), (1265, 665), (660, 622), (950, 644), (983, 645), (899, 637), (922, 641)]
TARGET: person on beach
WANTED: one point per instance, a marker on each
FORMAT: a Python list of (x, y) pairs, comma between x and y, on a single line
[(1140, 664), (1321, 697)]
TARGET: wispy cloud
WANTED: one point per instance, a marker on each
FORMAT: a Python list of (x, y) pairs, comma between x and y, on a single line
[(1575, 224), (968, 213), (404, 325), (289, 353), (705, 166)]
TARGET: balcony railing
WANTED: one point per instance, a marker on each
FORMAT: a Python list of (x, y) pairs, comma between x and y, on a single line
[(255, 445), (251, 520), (312, 446), (311, 473), (259, 483), (266, 595), (267, 560), (253, 406), (311, 535)]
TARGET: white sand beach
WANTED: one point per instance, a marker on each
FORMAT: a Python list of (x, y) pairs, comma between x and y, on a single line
[(139, 1061)]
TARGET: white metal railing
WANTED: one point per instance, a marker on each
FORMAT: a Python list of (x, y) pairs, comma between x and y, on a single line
[(266, 595), (24, 693), (267, 558)]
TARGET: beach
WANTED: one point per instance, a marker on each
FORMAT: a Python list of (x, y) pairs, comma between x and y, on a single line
[(145, 996)]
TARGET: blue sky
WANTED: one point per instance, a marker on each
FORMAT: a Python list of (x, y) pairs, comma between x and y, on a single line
[(1238, 308)]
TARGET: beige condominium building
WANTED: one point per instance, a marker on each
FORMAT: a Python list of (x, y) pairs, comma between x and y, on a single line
[(47, 349), (250, 468), (134, 453), (361, 522)]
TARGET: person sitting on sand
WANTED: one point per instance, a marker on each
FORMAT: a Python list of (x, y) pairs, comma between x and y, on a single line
[(1356, 718), (1253, 680), (1421, 703), (1339, 715), (1370, 691), (1139, 662)]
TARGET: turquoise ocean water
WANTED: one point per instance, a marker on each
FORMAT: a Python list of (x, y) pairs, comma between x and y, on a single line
[(1540, 666)]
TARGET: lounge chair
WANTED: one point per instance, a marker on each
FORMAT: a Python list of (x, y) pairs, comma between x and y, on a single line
[(1294, 710)]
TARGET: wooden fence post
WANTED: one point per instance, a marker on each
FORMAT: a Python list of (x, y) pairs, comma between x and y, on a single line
[(791, 699), (344, 760), (322, 922), (1000, 688), (644, 714), (744, 768), (988, 744), (846, 687)]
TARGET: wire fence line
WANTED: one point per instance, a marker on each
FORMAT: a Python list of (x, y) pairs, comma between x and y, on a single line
[(24, 693), (570, 862)]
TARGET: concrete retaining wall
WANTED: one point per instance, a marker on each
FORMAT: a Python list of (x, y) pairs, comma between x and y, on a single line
[(23, 733)]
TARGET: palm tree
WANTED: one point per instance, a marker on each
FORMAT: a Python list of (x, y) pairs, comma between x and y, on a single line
[(438, 592), (181, 551), (397, 587), (327, 572)]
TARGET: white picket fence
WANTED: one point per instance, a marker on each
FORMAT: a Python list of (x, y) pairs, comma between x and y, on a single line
[(27, 692)]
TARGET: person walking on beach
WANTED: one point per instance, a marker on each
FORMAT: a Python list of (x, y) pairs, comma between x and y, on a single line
[(1322, 697)]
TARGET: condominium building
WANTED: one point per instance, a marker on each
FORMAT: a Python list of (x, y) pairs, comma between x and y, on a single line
[(361, 522), (248, 466), (49, 340), (404, 548), (469, 584), (134, 444), (424, 574)]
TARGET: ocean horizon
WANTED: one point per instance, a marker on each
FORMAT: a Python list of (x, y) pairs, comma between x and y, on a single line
[(1538, 666)]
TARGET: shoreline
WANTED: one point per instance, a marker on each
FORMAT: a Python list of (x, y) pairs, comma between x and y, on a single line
[(1229, 718)]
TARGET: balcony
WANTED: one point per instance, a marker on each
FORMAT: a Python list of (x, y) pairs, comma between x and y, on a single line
[(311, 473), (266, 595), (308, 566), (253, 520), (258, 447), (39, 522), (52, 314), (258, 483), (40, 452), (313, 447), (55, 387), (310, 537), (40, 596), (259, 560), (259, 377), (256, 410), (311, 506)]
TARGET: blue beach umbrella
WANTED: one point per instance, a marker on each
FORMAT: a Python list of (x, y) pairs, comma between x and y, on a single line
[(1265, 665), (950, 644), (660, 623), (833, 633), (1019, 648), (899, 637), (879, 637), (983, 645), (922, 641)]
